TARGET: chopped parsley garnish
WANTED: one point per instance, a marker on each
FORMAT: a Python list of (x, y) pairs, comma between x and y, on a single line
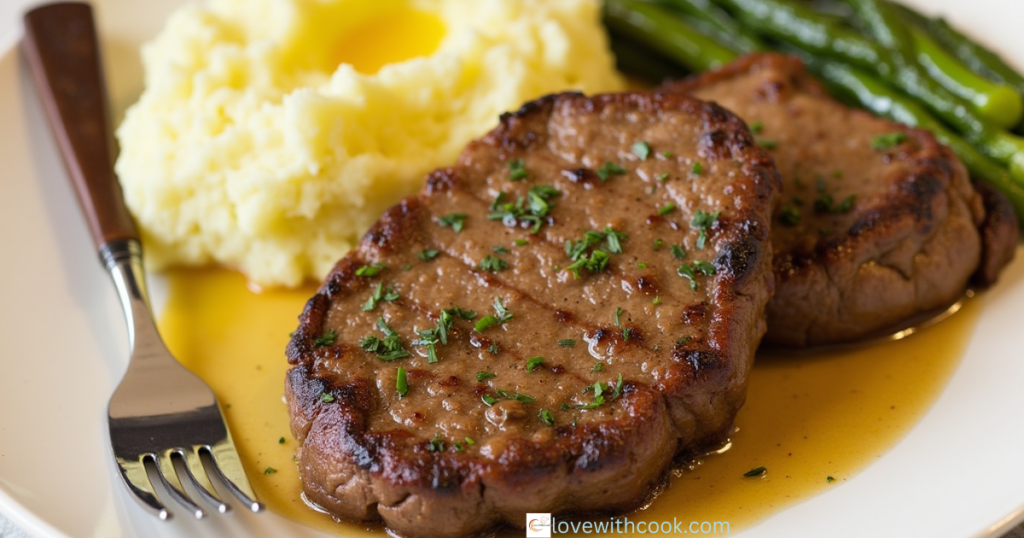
[(596, 262), (690, 271), (641, 265), (546, 417), (378, 295), (661, 177), (767, 144), (598, 367), (498, 249), (502, 315), (488, 399), (613, 238), (269, 470), (756, 127), (888, 140), (401, 382), (371, 270), (757, 471), (493, 264), (280, 441), (703, 221), (567, 343), (387, 349), (829, 479), (618, 317), (526, 211), (657, 244), (704, 268), (576, 250), (480, 376), (826, 204), (326, 339), (327, 397), (684, 340), (521, 242), (533, 363), (439, 334), (407, 266), (642, 149), (667, 154), (697, 169), (455, 220), (598, 389), (436, 444), (656, 301), (493, 349), (666, 209), (608, 170), (517, 170), (429, 254), (470, 441), (678, 252), (790, 215)]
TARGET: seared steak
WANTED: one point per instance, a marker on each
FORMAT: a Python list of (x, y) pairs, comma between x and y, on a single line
[(878, 222), (591, 277)]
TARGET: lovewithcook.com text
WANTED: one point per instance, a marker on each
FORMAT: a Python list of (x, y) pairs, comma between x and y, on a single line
[(542, 525)]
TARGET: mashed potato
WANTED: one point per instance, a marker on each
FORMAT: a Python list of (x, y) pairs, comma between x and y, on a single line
[(272, 133)]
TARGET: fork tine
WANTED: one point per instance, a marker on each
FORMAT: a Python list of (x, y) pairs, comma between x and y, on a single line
[(165, 467), (135, 477), (229, 467), (196, 471)]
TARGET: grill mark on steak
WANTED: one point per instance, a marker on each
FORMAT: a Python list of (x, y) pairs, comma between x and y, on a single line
[(368, 453), (907, 244)]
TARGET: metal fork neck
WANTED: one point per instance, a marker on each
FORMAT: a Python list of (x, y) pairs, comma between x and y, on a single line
[(123, 259)]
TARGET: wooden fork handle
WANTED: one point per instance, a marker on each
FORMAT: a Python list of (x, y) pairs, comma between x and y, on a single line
[(64, 57)]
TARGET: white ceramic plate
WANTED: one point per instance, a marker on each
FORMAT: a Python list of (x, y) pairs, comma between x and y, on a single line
[(957, 474)]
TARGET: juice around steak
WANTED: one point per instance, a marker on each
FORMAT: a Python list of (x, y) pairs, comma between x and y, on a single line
[(807, 418)]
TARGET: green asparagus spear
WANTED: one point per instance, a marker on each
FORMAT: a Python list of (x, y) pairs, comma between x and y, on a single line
[(943, 80), (797, 23), (880, 99), (999, 103), (719, 24), (974, 55), (663, 31)]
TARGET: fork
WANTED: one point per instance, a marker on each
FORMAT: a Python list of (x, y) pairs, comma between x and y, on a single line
[(162, 418)]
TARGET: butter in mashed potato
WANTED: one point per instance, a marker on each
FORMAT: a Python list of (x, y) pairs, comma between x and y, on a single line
[(272, 133)]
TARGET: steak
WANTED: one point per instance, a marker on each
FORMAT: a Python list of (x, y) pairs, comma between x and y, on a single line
[(878, 222), (546, 326)]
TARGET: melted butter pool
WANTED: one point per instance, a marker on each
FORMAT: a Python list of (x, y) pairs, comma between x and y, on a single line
[(807, 418)]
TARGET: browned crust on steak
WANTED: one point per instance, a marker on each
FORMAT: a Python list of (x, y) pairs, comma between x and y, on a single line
[(1000, 232), (908, 246), (357, 464)]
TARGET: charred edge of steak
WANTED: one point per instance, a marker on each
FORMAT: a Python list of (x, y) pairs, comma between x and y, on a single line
[(1000, 233), (398, 224), (933, 170), (642, 428)]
